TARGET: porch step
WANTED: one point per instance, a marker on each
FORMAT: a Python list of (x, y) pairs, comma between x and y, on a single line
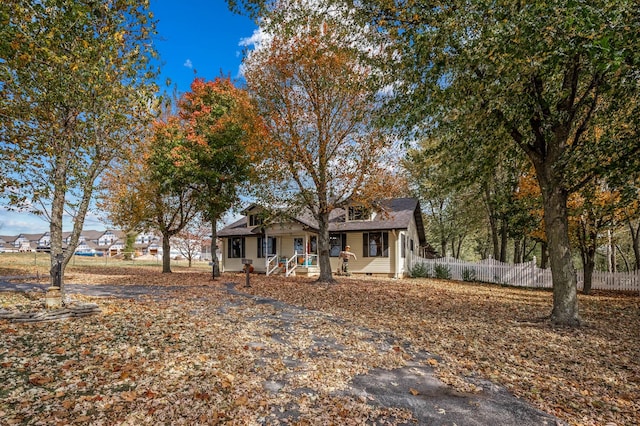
[(307, 271)]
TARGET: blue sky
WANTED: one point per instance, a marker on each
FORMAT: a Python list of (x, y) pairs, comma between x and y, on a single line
[(199, 36), (196, 38)]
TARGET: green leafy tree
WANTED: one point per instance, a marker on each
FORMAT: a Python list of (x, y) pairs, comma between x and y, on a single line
[(75, 91), (543, 73), (452, 213)]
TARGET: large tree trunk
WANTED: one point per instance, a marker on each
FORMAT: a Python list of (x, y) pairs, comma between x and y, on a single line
[(565, 299), (215, 268), (544, 255), (518, 248), (55, 231), (166, 253), (55, 224), (324, 261)]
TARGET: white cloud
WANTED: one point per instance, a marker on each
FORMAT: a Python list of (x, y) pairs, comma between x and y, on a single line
[(188, 63), (256, 40), (14, 223)]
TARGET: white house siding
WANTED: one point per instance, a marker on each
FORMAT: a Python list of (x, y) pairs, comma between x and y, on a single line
[(250, 252), (412, 234), (385, 266), (369, 265), (393, 265)]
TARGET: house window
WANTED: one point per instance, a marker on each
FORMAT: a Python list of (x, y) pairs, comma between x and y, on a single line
[(313, 244), (337, 243), (235, 248), (266, 245), (403, 245), (255, 220), (375, 244), (359, 213)]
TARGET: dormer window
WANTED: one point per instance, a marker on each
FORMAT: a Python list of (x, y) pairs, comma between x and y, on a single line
[(255, 220), (359, 213)]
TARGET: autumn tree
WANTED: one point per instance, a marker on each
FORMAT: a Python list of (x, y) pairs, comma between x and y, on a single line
[(470, 185), (315, 92), (593, 210), (542, 72), (221, 133), (149, 191), (75, 91)]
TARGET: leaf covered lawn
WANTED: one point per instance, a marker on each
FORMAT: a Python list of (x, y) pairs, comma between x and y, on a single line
[(203, 355), (585, 376)]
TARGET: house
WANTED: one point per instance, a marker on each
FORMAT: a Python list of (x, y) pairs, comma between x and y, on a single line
[(90, 242), (147, 243), (6, 243), (382, 238), (27, 242)]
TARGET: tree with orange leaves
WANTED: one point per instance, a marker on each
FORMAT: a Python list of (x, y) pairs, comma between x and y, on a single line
[(315, 94), (223, 131), (594, 209)]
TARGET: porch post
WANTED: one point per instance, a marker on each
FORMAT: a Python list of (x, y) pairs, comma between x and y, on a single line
[(398, 253), (264, 248)]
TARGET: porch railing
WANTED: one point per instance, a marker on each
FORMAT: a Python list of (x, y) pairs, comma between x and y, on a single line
[(272, 264), (292, 264)]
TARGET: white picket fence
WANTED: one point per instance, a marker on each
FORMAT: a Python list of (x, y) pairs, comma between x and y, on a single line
[(522, 274)]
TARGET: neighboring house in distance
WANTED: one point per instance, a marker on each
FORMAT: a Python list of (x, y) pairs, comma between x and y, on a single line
[(146, 243), (100, 243), (6, 243), (381, 238), (44, 242), (27, 242), (206, 250)]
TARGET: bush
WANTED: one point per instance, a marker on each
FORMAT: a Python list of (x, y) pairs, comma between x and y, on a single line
[(468, 274), (442, 272), (419, 270)]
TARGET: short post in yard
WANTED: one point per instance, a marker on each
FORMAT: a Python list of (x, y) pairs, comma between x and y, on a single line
[(53, 298), (247, 266)]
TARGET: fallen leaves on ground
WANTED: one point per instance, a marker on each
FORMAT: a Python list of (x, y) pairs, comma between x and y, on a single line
[(202, 357), (585, 376), (205, 356)]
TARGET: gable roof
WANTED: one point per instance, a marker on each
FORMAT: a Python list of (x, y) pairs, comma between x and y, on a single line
[(31, 237), (393, 214), (92, 235)]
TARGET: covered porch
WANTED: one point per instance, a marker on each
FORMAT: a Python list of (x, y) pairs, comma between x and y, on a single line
[(289, 252)]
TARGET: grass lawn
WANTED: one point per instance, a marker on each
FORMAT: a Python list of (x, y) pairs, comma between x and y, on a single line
[(203, 355)]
